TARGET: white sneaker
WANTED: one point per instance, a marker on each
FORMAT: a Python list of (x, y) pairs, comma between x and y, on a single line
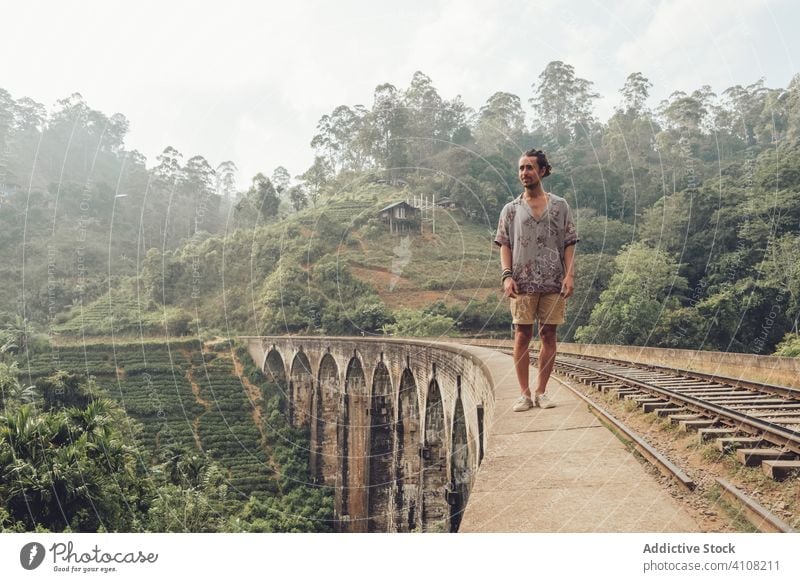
[(543, 401), (522, 404)]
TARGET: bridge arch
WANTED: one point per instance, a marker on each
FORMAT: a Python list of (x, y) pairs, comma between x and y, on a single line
[(407, 454), (380, 446), (458, 487), (301, 389), (324, 420), (274, 369), (351, 492), (435, 514), (352, 390)]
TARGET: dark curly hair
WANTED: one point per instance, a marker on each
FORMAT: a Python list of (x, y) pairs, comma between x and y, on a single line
[(541, 160)]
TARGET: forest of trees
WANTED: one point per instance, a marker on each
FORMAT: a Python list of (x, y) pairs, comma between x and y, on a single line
[(688, 215), (687, 210)]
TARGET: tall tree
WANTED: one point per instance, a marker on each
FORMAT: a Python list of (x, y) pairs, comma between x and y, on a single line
[(324, 141), (198, 177), (6, 127), (501, 124), (281, 179), (29, 115), (425, 109), (634, 94), (338, 137), (389, 122), (226, 179), (263, 197), (168, 171), (316, 177), (454, 122), (198, 186), (629, 143), (685, 113), (115, 132), (70, 111), (789, 102), (563, 102), (298, 198)]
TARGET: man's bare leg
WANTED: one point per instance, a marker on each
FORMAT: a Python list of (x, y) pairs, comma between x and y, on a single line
[(522, 363), (547, 355)]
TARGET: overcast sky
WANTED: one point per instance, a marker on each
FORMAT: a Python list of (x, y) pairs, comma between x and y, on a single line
[(248, 81)]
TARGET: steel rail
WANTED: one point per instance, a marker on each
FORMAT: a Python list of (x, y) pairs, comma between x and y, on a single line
[(728, 380), (643, 447), (772, 432), (761, 518), (756, 513)]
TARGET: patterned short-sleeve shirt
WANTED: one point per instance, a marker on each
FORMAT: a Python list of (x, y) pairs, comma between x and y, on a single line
[(537, 246)]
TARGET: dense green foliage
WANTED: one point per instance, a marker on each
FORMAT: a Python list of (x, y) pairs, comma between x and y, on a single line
[(644, 284), (703, 183), (688, 214), (300, 505), (167, 444), (410, 323)]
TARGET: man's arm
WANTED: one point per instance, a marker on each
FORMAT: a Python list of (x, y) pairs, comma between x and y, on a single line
[(568, 285), (509, 285)]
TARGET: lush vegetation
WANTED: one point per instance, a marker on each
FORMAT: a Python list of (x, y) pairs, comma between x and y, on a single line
[(161, 437), (701, 188), (115, 416)]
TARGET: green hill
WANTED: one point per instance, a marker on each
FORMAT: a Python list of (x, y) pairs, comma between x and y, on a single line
[(686, 210)]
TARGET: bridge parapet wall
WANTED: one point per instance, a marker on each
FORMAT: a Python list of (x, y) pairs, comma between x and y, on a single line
[(768, 369)]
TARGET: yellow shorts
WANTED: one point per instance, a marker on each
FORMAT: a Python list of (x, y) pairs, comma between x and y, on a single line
[(548, 308)]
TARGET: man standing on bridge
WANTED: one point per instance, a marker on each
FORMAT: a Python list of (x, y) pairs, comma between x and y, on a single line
[(537, 237)]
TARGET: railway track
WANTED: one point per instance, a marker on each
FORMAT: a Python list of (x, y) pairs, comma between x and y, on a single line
[(759, 423)]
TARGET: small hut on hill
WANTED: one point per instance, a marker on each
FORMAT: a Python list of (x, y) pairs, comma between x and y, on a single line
[(401, 217)]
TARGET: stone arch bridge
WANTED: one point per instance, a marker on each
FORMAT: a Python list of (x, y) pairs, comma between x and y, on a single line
[(397, 426)]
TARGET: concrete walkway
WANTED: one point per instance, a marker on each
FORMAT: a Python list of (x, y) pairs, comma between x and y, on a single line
[(560, 470)]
